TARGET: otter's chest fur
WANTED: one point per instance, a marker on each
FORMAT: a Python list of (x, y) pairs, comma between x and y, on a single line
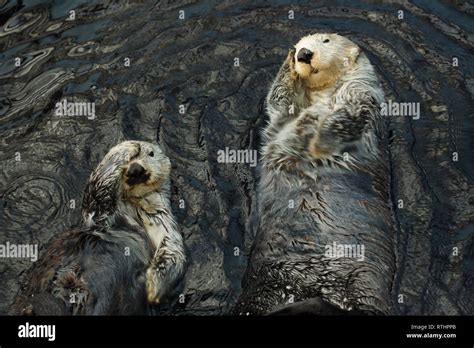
[(323, 97), (151, 212)]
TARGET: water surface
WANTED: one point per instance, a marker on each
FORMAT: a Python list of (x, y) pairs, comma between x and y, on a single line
[(190, 62)]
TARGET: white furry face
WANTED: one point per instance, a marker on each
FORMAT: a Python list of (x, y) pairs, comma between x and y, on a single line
[(130, 172), (321, 58), (140, 167), (146, 169)]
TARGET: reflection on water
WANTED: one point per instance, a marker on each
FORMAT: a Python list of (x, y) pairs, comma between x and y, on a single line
[(49, 53)]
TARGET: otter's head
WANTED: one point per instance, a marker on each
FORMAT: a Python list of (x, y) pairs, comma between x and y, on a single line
[(129, 171), (320, 59)]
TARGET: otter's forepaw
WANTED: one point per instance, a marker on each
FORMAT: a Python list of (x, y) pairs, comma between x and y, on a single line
[(287, 72), (318, 151), (152, 286), (325, 144), (336, 133), (291, 64)]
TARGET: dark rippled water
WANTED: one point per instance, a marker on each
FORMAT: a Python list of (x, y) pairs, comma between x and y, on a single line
[(46, 159)]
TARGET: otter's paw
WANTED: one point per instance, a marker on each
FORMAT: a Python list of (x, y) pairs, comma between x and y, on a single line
[(291, 64), (317, 151), (152, 286), (287, 71), (337, 131)]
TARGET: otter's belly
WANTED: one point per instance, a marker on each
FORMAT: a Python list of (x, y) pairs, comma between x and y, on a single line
[(331, 238)]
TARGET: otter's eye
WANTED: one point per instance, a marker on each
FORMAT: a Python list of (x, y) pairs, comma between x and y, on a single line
[(151, 154), (326, 41)]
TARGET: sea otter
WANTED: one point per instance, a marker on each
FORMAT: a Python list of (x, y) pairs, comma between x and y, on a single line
[(128, 253), (324, 239)]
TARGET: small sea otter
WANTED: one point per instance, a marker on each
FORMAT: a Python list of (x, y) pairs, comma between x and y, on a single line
[(325, 231), (129, 253)]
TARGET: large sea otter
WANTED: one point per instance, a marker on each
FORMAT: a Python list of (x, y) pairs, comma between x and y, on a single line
[(325, 238)]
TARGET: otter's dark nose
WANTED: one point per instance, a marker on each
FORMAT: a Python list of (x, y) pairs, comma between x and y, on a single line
[(136, 174), (304, 55)]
